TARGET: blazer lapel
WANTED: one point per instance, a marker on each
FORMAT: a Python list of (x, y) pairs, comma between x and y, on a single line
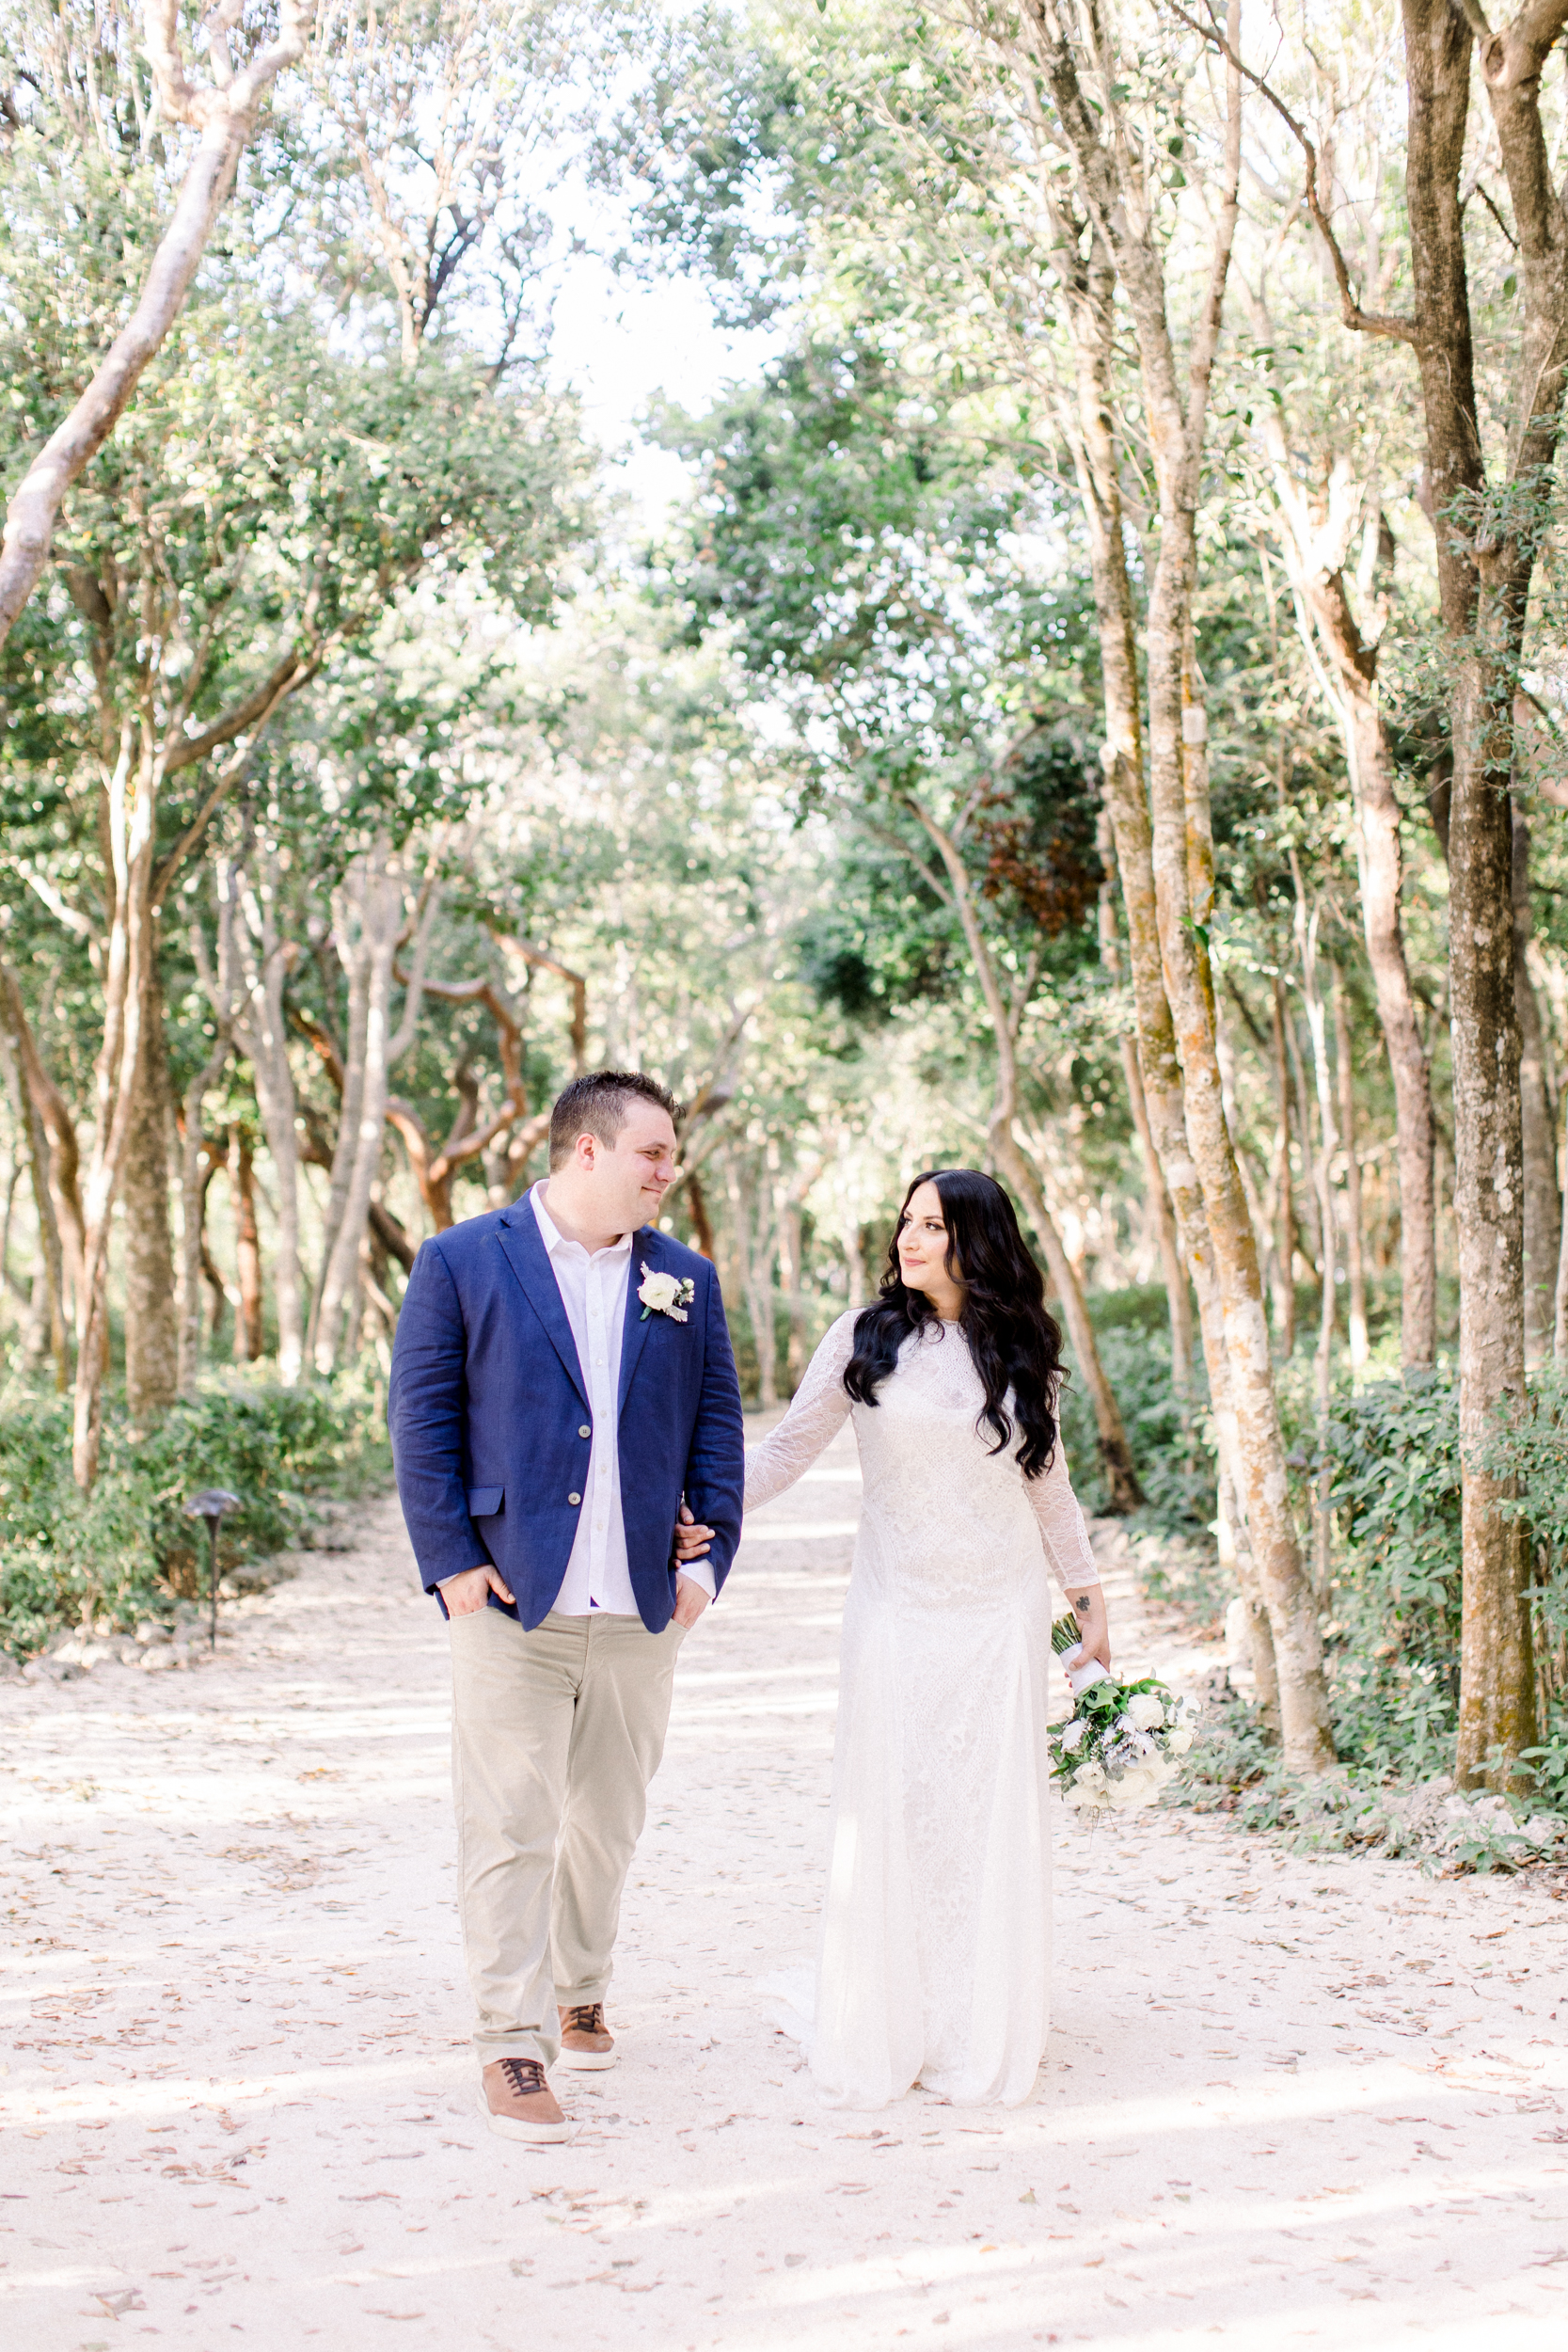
[(520, 1236), (645, 1250)]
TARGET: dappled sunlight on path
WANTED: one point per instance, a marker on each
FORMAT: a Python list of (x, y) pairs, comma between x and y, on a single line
[(1287, 2100)]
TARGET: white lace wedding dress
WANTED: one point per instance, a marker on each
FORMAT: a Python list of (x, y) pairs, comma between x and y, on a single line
[(935, 1951)]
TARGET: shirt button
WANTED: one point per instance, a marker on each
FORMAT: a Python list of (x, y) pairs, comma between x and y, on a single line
[(574, 1498), (585, 1431)]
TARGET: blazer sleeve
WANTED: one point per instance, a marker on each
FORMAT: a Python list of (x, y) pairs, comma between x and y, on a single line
[(426, 1399), (716, 1462)]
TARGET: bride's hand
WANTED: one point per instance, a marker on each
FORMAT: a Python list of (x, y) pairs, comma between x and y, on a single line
[(1094, 1630), (691, 1539)]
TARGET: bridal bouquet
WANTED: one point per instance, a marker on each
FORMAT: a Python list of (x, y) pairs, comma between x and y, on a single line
[(1122, 1744)]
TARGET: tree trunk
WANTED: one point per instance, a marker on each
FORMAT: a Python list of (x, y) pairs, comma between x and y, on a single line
[(1483, 578), (1537, 1121), (195, 1174), (249, 1341), (13, 1021), (1285, 1204), (1178, 1293), (754, 1257), (263, 962), (702, 1227), (1497, 1666), (1175, 400), (354, 952), (1092, 439), (791, 1252), (379, 924), (1355, 1252), (1116, 1454), (1322, 1178), (128, 814), (1350, 683), (1560, 1320), (226, 118), (151, 1322)]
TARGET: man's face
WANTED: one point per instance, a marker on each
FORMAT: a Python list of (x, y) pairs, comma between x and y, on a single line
[(631, 1176)]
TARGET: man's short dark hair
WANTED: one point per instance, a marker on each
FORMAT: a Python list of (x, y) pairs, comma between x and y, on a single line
[(596, 1105)]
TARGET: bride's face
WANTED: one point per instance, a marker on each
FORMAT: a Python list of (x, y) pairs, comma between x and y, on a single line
[(922, 1250)]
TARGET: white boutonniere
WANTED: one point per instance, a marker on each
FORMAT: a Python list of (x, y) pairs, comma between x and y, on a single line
[(661, 1295)]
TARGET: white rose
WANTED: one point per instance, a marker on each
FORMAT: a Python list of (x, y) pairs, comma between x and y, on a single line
[(1145, 1711), (1181, 1740), (1090, 1777), (659, 1292)]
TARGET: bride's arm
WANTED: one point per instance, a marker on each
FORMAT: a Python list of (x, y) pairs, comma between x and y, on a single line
[(1066, 1539), (815, 1417)]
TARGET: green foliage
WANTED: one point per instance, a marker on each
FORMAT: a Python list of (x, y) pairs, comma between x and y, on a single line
[(1172, 1449), (128, 1550), (1392, 1640)]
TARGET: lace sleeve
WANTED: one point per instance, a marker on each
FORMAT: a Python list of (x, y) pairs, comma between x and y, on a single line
[(1061, 1524), (813, 1420)]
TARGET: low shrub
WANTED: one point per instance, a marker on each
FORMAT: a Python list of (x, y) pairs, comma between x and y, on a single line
[(127, 1551)]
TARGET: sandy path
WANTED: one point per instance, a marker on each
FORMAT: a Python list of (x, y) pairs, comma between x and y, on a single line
[(1286, 2099)]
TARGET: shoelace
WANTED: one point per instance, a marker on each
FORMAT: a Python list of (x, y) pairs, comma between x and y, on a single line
[(586, 2019), (525, 2077)]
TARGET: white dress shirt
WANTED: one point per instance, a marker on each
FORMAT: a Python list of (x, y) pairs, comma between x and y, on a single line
[(593, 1287)]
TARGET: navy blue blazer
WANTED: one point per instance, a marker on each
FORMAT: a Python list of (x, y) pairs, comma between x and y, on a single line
[(488, 1412)]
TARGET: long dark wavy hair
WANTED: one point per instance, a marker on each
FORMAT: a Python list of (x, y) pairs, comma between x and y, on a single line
[(1013, 1342)]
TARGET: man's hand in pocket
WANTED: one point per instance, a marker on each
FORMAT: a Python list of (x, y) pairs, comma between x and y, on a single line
[(465, 1594)]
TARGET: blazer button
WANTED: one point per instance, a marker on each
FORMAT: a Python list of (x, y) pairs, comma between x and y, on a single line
[(574, 1498), (585, 1431)]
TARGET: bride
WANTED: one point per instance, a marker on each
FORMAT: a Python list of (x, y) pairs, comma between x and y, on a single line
[(934, 1961)]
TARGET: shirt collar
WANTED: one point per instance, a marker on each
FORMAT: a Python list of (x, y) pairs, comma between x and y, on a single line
[(554, 1239)]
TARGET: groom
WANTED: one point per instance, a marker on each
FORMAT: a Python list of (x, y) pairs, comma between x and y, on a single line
[(561, 1378)]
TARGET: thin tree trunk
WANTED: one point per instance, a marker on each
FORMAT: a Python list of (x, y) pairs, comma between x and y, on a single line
[(1560, 1320), (1323, 1165), (151, 1322), (249, 1341), (264, 960), (30, 1120), (381, 926), (791, 1247), (1538, 1123), (1350, 685), (226, 118), (1303, 1128), (1284, 1298), (1115, 1455), (354, 951), (1179, 1295), (702, 1225), (64, 1159), (129, 818), (754, 1254), (195, 1174), (1354, 1252)]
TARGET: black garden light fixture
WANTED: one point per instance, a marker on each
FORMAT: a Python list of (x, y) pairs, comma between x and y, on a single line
[(210, 1504)]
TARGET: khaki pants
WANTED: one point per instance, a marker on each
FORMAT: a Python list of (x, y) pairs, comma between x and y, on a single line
[(556, 1735)]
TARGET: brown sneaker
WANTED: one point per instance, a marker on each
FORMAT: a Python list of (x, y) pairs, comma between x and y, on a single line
[(517, 2101), (585, 2042)]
